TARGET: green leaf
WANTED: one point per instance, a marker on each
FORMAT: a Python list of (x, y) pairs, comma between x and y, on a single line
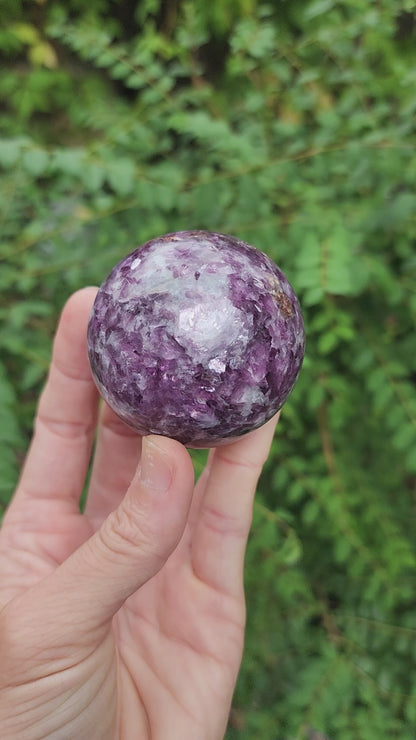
[(10, 440), (25, 32), (291, 551), (319, 7), (93, 176), (70, 161), (328, 342), (35, 161), (404, 437), (121, 176), (9, 152)]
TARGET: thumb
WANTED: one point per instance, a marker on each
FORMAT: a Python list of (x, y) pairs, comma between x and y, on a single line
[(132, 544), (136, 539)]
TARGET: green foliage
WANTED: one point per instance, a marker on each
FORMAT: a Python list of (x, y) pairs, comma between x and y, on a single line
[(291, 125)]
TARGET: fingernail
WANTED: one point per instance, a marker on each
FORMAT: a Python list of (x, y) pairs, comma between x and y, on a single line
[(155, 467)]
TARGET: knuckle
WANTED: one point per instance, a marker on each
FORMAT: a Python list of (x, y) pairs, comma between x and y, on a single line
[(126, 531), (115, 426), (250, 466), (63, 428), (224, 524)]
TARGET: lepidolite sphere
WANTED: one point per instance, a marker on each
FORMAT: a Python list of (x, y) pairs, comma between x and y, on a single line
[(197, 336)]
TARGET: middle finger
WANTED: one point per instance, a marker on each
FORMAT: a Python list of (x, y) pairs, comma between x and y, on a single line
[(117, 454)]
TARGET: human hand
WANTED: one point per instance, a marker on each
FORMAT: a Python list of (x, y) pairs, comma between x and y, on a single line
[(125, 621)]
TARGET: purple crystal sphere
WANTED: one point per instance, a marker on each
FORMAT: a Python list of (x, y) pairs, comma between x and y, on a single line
[(196, 336)]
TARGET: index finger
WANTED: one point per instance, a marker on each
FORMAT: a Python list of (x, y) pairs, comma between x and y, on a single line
[(225, 511)]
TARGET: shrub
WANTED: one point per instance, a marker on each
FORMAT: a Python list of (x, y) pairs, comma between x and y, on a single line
[(292, 126)]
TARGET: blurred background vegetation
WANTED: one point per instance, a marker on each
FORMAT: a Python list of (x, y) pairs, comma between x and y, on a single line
[(290, 124)]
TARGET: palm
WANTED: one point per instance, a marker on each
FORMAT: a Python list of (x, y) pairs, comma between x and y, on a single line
[(180, 643), (145, 637), (177, 628)]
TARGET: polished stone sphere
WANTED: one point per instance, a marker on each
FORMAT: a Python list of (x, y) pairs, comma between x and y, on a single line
[(197, 336)]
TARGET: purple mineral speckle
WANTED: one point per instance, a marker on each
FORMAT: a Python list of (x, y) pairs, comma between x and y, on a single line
[(196, 336)]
